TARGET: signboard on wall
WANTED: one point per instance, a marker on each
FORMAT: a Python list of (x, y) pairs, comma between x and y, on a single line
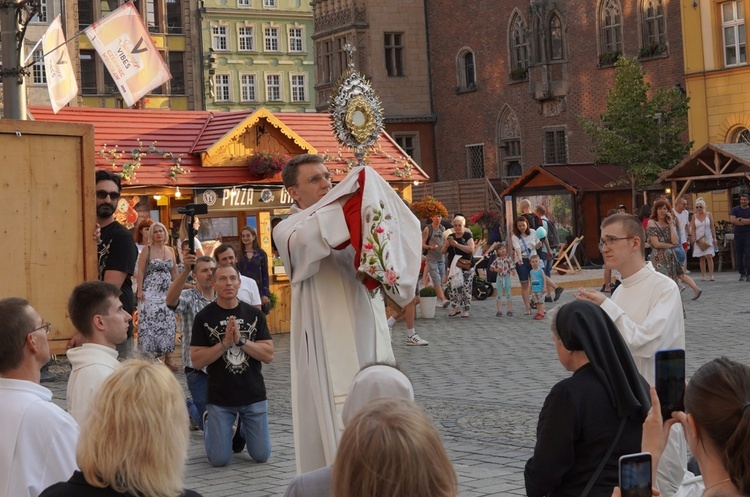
[(236, 198)]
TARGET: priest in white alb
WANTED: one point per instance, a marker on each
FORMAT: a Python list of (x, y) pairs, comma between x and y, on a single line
[(339, 247)]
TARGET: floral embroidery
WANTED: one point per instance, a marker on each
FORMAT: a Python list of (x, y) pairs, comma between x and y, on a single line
[(375, 256)]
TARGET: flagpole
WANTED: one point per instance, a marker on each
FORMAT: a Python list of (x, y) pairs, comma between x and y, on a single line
[(14, 92), (56, 48)]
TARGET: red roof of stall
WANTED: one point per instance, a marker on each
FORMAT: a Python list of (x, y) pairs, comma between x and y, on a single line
[(190, 133)]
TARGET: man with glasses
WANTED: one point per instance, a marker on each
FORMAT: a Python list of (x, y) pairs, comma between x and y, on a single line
[(339, 245), (117, 250), (39, 438), (647, 310)]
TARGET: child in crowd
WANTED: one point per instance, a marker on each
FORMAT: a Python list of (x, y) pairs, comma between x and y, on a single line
[(504, 267), (537, 285)]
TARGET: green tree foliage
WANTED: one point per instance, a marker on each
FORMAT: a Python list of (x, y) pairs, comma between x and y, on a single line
[(642, 133)]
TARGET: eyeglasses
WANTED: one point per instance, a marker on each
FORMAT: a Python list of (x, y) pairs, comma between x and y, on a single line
[(699, 207), (102, 194), (610, 240), (45, 327), (314, 180)]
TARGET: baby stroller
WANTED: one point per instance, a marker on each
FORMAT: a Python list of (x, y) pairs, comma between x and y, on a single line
[(480, 287)]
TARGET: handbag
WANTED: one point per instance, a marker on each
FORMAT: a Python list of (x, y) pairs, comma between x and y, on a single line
[(702, 243), (464, 264)]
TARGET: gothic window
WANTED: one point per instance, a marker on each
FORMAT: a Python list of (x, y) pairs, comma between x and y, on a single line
[(509, 144), (610, 20), (466, 70), (555, 38), (519, 44), (475, 160), (654, 33)]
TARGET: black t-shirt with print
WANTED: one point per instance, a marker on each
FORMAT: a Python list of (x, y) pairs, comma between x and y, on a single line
[(235, 378), (453, 251), (117, 252)]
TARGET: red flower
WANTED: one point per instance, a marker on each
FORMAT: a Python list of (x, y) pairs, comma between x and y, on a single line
[(379, 229), (368, 246)]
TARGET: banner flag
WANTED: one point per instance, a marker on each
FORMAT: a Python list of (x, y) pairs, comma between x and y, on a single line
[(126, 48), (61, 78)]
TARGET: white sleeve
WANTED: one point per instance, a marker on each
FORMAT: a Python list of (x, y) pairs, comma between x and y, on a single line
[(310, 239), (249, 292)]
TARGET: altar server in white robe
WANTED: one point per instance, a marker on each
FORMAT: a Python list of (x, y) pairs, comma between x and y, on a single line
[(338, 247)]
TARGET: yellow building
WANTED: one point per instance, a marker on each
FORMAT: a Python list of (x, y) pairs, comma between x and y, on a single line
[(717, 77)]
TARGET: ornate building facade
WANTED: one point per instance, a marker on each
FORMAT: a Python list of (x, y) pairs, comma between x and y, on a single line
[(258, 53), (390, 40), (511, 79)]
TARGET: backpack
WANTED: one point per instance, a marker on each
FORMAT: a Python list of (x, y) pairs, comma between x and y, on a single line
[(429, 237), (552, 234), (533, 220)]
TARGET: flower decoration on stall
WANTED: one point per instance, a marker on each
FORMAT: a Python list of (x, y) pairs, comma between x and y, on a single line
[(266, 164), (485, 220), (722, 229), (428, 207), (129, 167)]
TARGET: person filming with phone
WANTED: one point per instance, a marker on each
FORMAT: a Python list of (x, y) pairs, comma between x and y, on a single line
[(716, 423), (592, 418)]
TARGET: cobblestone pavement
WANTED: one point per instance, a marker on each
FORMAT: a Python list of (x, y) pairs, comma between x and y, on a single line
[(482, 380)]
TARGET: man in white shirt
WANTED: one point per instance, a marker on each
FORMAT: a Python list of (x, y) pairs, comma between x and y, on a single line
[(647, 310), (39, 438), (249, 293), (682, 215), (95, 309)]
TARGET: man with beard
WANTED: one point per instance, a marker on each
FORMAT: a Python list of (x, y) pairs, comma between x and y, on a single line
[(117, 250)]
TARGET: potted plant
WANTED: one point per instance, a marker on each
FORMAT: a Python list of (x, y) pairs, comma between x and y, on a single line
[(272, 299), (519, 73), (266, 164), (428, 207), (609, 58), (427, 302)]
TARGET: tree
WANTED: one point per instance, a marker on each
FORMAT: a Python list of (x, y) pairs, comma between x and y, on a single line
[(644, 135)]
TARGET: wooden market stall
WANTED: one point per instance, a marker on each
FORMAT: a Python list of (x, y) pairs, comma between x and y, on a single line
[(49, 215), (172, 158), (577, 198)]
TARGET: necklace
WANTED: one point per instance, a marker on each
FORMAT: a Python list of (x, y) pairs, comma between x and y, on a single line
[(713, 485)]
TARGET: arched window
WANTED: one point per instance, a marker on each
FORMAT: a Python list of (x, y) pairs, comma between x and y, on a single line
[(539, 37), (610, 20), (740, 135), (509, 144), (555, 38), (654, 32), (519, 44), (466, 70)]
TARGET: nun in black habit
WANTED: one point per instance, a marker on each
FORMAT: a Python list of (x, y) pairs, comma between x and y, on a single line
[(592, 418)]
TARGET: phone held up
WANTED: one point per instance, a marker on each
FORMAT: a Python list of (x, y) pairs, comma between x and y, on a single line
[(670, 381), (635, 475)]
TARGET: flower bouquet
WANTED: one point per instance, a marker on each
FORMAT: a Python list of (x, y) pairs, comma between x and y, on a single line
[(428, 207), (266, 164)]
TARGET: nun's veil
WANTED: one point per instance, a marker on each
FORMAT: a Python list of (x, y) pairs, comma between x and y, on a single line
[(583, 325)]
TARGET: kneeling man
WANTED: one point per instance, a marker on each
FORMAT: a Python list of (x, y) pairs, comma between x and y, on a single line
[(231, 339)]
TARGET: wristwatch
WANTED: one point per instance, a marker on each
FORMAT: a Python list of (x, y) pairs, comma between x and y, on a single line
[(243, 340)]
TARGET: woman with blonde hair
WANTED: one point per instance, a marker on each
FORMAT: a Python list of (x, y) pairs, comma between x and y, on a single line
[(157, 268), (703, 232), (135, 439), (459, 247), (391, 448)]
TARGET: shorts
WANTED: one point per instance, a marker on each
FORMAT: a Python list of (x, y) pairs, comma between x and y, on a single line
[(436, 270), (523, 271)]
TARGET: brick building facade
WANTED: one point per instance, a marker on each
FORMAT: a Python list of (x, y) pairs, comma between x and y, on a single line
[(510, 79)]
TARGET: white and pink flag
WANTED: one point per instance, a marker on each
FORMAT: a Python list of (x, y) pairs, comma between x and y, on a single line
[(61, 78)]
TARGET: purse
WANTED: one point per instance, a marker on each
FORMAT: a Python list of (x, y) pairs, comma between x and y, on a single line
[(702, 243), (464, 264)]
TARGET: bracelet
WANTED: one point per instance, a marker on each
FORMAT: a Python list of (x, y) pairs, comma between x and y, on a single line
[(223, 347)]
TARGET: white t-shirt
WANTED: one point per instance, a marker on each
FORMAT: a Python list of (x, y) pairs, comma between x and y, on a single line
[(249, 291), (682, 219)]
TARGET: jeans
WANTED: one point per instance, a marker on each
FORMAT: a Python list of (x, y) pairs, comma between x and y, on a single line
[(503, 284), (218, 432), (742, 252), (546, 264), (679, 252), (196, 382)]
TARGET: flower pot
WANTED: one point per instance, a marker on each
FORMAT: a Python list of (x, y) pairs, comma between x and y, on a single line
[(427, 306)]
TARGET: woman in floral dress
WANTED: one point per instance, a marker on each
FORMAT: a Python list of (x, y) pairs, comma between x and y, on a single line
[(156, 322), (662, 236)]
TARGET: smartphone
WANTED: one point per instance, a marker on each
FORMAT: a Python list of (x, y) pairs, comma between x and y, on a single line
[(670, 381), (635, 475)]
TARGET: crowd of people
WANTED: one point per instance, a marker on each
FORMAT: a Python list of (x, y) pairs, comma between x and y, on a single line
[(358, 429)]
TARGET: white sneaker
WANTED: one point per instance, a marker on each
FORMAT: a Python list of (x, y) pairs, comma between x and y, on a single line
[(415, 340), (439, 303)]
